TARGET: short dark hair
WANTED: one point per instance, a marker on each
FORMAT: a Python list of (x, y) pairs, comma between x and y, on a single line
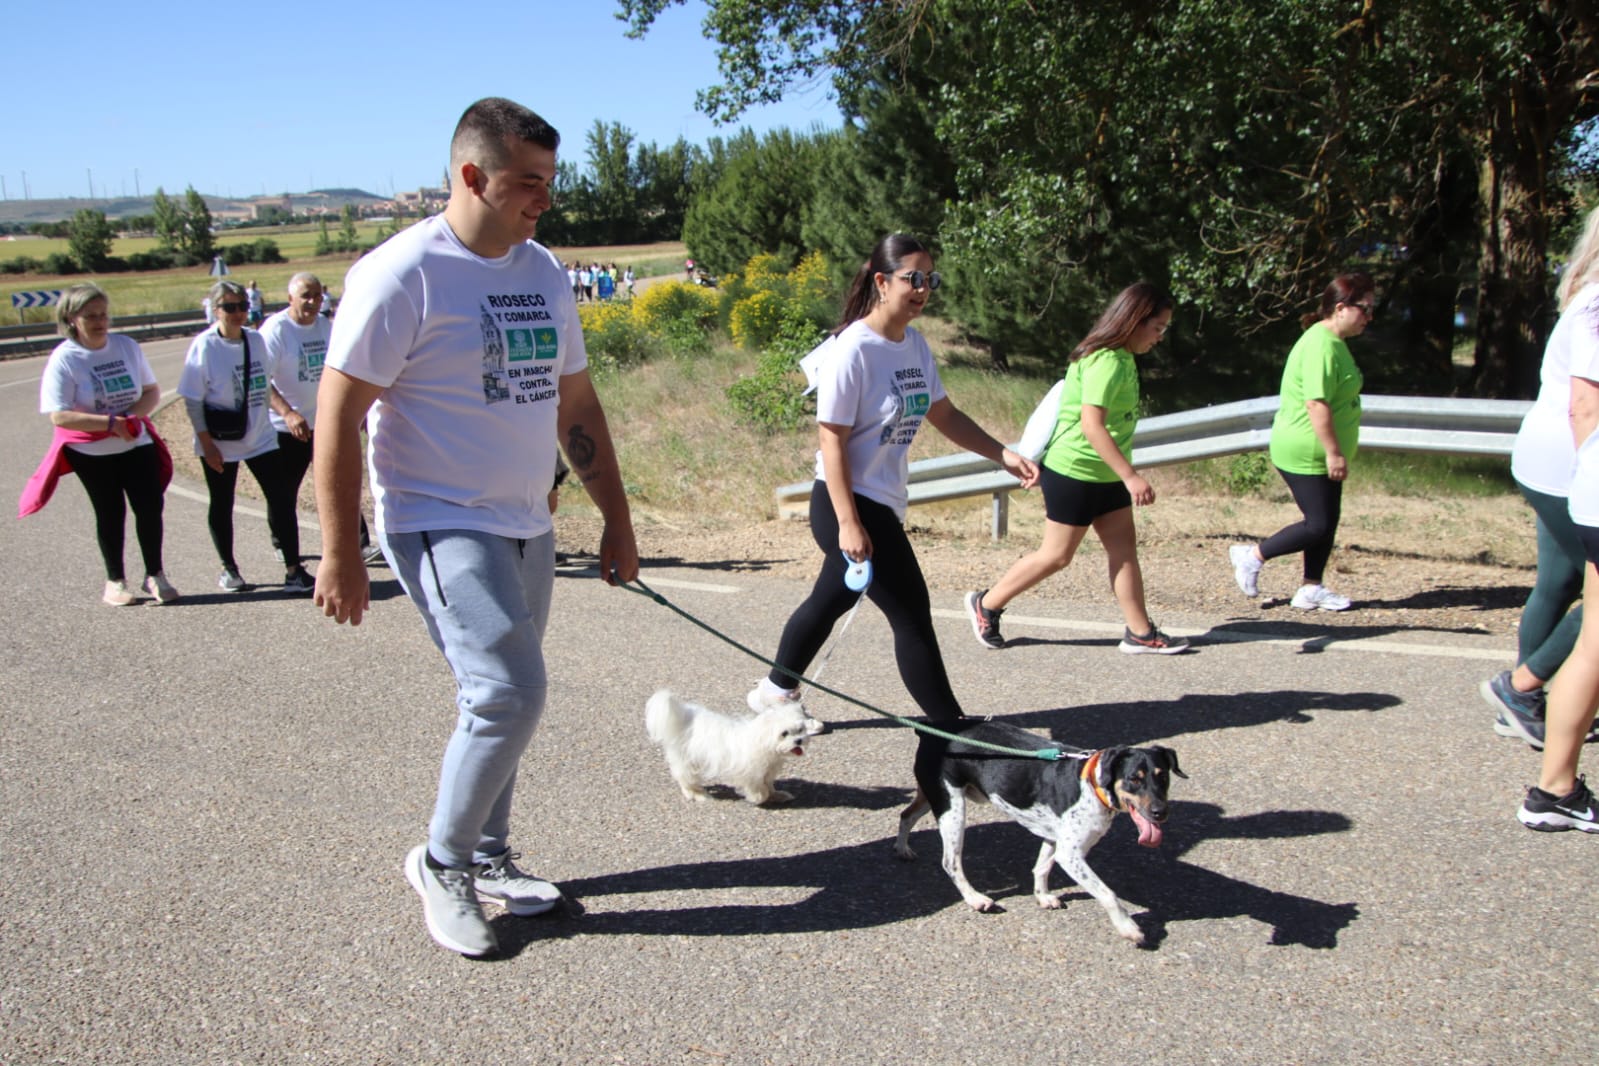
[(481, 134)]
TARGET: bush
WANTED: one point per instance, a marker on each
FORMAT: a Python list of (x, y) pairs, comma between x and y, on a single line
[(160, 259), (757, 319), (1248, 473), (262, 250), (773, 399), (611, 336), (22, 264), (661, 305), (59, 263)]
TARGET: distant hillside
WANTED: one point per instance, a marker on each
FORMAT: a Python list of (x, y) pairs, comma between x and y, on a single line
[(15, 210)]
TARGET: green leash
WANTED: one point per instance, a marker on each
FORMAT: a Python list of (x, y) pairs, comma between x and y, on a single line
[(1047, 754)]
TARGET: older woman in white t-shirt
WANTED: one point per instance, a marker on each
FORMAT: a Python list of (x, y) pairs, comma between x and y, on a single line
[(213, 373), (97, 385)]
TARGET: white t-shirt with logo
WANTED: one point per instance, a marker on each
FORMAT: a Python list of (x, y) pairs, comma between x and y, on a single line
[(1543, 454), (103, 381), (469, 352), (211, 373), (882, 390), (298, 353)]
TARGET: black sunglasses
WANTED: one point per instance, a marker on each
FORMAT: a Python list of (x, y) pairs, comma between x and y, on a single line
[(919, 280), (233, 308)]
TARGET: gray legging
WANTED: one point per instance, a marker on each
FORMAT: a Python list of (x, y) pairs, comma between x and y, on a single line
[(1549, 625)]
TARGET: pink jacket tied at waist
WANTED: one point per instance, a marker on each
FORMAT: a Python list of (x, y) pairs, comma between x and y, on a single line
[(42, 485)]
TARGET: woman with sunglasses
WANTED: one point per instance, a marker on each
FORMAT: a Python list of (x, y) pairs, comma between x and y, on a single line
[(1088, 476), (212, 375), (876, 383), (1313, 440)]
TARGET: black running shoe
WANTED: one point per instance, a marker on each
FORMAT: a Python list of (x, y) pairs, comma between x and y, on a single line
[(985, 623), (1552, 814)]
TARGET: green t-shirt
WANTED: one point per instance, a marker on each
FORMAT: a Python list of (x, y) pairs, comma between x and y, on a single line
[(1319, 368), (1106, 378)]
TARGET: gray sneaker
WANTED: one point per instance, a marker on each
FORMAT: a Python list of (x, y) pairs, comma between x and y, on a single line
[(499, 881), (230, 581), (454, 916)]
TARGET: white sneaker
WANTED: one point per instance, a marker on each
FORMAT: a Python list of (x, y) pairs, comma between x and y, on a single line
[(160, 588), (1246, 568), (230, 581), (766, 696), (117, 594), (1319, 598)]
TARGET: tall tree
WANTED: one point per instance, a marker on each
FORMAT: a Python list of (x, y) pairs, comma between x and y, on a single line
[(168, 222), (1241, 151), (89, 238), (197, 240)]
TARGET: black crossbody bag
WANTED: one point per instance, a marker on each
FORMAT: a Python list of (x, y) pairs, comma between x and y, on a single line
[(231, 423)]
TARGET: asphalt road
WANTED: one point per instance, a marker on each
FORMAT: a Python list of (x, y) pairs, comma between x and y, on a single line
[(203, 809)]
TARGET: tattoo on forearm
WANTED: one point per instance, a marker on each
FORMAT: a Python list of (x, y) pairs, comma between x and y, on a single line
[(580, 450)]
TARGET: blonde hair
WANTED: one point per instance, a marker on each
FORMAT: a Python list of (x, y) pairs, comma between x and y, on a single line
[(73, 301), (1583, 264)]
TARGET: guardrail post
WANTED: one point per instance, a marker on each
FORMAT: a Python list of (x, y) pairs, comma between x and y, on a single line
[(1000, 524)]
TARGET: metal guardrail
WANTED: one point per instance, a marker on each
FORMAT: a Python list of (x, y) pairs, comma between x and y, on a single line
[(1438, 425), (38, 338)]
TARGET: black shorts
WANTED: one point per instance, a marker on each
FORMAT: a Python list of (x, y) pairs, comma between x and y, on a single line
[(1077, 503)]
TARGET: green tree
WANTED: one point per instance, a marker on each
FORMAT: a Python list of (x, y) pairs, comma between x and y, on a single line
[(1239, 152), (349, 236), (168, 222), (758, 202), (89, 238), (197, 240), (324, 243)]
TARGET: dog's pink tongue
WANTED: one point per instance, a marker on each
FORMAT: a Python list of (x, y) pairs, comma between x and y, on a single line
[(1148, 832), (799, 749)]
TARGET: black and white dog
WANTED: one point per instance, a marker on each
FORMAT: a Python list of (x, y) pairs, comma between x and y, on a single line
[(1070, 803)]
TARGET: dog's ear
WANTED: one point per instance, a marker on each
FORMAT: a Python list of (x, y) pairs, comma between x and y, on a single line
[(1107, 766), (1169, 757)]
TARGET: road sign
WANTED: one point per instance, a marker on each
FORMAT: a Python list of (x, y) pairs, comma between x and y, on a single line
[(37, 298)]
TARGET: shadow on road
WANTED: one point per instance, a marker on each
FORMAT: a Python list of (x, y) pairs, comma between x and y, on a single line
[(862, 886)]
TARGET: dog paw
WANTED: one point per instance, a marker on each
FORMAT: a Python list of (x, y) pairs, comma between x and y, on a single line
[(778, 796), (1049, 901), (983, 905), (1130, 932), (904, 853), (696, 795)]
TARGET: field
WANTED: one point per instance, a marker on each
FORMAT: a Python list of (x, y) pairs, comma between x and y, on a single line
[(156, 291)]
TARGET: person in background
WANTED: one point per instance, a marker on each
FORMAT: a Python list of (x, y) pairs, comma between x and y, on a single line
[(213, 373), (297, 340), (257, 305), (876, 383), (1088, 477), (1314, 439), (99, 391), (1541, 463)]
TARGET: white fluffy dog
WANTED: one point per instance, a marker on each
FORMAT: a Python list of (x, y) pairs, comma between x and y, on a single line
[(704, 747)]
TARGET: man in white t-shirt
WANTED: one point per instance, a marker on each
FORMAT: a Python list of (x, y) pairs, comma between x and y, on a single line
[(461, 336), (297, 344)]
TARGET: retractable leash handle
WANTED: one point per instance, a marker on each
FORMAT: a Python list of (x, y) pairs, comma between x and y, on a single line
[(858, 575)]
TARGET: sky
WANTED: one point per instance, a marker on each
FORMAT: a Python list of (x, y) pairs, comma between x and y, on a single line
[(239, 100)]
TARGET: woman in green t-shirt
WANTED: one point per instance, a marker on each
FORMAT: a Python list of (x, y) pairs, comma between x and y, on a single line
[(1087, 474), (1314, 439)]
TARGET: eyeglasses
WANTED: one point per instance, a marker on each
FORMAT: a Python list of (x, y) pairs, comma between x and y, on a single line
[(919, 280), (1368, 311), (234, 308)]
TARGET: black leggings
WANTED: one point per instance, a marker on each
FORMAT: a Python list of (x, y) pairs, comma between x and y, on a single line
[(271, 474), (297, 455), (899, 591), (1320, 500), (136, 474)]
